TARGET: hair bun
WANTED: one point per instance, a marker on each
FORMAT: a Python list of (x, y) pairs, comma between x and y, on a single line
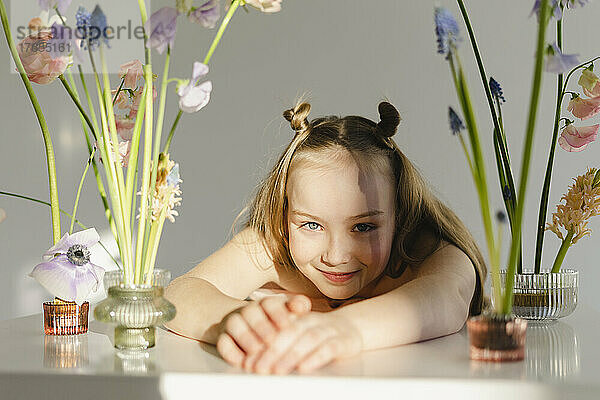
[(390, 119), (298, 117)]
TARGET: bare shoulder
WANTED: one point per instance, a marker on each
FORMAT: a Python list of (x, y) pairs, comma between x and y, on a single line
[(451, 261), (239, 267)]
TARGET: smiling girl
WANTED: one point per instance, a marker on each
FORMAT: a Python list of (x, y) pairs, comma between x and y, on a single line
[(345, 250)]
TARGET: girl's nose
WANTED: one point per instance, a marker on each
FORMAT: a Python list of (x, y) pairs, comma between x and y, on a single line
[(338, 251)]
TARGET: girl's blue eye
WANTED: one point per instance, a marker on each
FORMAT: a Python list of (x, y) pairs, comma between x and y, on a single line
[(364, 227), (312, 226)]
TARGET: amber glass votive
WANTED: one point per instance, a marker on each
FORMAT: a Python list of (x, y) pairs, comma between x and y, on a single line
[(496, 338), (65, 317)]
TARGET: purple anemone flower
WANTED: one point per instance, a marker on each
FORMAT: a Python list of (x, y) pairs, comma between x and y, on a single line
[(456, 124), (160, 28), (62, 5), (193, 97), (67, 272), (557, 62), (207, 14)]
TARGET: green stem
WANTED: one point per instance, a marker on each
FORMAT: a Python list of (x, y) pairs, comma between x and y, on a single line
[(566, 243), (54, 209), (211, 50), (168, 143), (467, 156), (144, 18), (118, 91), (101, 190), (123, 204), (139, 252), (539, 243), (533, 105), (65, 213), (87, 166), (158, 132), (222, 27), (480, 176), (89, 98), (78, 105), (488, 94), (156, 231)]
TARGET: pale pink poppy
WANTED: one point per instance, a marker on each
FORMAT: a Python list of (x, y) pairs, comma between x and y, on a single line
[(131, 71), (40, 67), (584, 108), (574, 139)]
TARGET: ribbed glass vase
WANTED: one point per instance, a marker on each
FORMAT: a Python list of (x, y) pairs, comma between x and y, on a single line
[(136, 310), (544, 297)]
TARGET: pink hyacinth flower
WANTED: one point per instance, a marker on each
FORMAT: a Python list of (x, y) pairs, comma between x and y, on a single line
[(573, 139), (584, 108), (131, 71), (39, 65)]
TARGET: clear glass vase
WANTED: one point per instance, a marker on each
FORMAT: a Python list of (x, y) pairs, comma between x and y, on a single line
[(546, 296), (136, 310), (496, 338)]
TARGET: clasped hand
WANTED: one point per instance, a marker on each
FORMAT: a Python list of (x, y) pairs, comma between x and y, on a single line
[(279, 335)]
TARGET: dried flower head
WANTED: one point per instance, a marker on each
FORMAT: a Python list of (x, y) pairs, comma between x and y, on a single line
[(167, 189), (582, 201)]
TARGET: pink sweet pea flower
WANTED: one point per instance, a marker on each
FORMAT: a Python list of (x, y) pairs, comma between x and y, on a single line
[(124, 127), (62, 5), (193, 97), (574, 139), (39, 65), (584, 108), (161, 28), (266, 6), (131, 71)]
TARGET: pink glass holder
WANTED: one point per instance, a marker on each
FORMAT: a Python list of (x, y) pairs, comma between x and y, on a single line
[(65, 318), (494, 338)]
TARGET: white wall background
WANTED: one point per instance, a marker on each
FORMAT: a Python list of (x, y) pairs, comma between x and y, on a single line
[(348, 55)]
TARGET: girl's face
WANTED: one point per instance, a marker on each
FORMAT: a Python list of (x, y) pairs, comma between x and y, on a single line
[(340, 220)]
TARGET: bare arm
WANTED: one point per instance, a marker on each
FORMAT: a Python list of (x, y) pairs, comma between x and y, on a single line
[(218, 285), (434, 304)]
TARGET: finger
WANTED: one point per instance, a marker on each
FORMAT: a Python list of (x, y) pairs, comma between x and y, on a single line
[(276, 310), (323, 355), (304, 346), (299, 304), (259, 322), (239, 330), (250, 360), (229, 350), (283, 342)]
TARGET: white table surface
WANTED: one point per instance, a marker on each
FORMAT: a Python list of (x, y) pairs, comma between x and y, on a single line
[(562, 361)]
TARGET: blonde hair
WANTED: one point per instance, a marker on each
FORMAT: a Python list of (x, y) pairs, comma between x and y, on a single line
[(370, 143)]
